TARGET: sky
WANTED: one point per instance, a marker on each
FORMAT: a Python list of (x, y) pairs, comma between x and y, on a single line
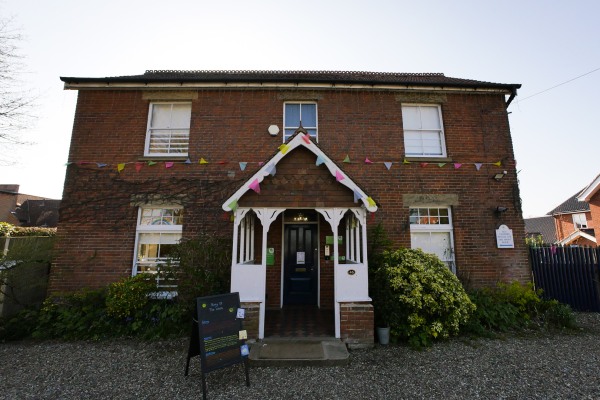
[(539, 44)]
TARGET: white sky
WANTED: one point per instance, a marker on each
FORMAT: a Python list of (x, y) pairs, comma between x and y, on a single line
[(536, 43)]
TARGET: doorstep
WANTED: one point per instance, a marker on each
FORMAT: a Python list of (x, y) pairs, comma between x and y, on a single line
[(314, 352)]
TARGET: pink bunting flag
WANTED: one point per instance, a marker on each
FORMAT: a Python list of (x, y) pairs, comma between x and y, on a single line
[(424, 164), (338, 176), (478, 166), (221, 162), (457, 165), (255, 186), (367, 161), (138, 166), (260, 163), (306, 138), (169, 164)]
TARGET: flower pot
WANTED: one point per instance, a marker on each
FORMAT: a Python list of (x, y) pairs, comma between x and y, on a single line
[(383, 335)]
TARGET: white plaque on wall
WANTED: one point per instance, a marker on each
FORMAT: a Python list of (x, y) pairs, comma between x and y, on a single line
[(504, 238)]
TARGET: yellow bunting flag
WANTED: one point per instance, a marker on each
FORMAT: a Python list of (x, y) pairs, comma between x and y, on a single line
[(120, 167), (202, 161), (284, 148), (498, 164), (405, 161), (371, 201)]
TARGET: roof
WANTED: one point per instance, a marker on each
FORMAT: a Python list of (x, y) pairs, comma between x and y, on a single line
[(590, 190), (571, 205), (541, 226), (300, 138), (331, 77), (585, 234)]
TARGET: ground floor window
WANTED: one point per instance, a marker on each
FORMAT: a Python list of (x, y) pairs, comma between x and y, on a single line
[(431, 231), (158, 231)]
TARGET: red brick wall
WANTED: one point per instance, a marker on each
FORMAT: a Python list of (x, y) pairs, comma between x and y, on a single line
[(565, 226), (594, 221), (356, 324), (98, 213)]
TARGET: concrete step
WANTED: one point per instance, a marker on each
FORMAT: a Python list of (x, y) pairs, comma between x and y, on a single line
[(325, 352)]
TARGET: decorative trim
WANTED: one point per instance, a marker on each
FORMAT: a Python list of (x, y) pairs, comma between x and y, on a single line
[(587, 193), (575, 235)]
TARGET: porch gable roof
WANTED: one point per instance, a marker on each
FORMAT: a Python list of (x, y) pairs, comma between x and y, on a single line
[(268, 168)]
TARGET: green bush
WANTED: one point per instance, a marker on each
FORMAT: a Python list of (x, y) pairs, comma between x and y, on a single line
[(515, 306), (419, 297), (129, 295)]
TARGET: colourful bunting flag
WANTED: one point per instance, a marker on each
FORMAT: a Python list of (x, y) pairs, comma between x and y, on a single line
[(441, 164), (67, 164), (498, 163), (232, 218), (255, 186), (233, 205), (405, 161), (306, 138), (138, 166), (260, 163), (320, 160), (169, 164), (202, 161), (478, 166), (101, 165), (357, 196), (243, 165), (371, 201), (284, 148), (367, 161), (272, 170), (151, 163), (188, 161), (222, 162), (338, 176), (457, 165), (347, 159), (120, 167), (424, 164), (388, 165)]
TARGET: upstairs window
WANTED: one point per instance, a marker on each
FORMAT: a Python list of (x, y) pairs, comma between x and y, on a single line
[(296, 113), (423, 131), (579, 221), (431, 231), (168, 129)]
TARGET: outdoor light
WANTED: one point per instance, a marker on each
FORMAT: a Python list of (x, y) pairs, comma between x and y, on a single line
[(500, 175), (300, 218), (500, 210)]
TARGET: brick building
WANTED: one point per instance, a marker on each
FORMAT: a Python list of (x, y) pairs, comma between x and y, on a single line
[(298, 159)]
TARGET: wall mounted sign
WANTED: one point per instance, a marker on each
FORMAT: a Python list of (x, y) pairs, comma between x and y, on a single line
[(217, 335), (300, 257), (329, 239), (271, 256), (504, 237)]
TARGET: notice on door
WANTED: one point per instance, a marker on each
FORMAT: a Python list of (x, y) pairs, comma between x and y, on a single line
[(300, 257)]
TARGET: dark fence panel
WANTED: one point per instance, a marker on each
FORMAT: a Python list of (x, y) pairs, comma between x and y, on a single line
[(568, 274)]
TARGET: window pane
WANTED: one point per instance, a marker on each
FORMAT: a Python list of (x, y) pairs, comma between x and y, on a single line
[(161, 116), (430, 118), (309, 115), (410, 117), (292, 115), (181, 116)]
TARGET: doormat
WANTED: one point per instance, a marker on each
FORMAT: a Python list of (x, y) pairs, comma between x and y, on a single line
[(291, 351)]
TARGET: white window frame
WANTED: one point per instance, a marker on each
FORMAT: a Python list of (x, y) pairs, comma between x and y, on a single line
[(440, 132), (150, 129), (153, 229), (449, 258), (316, 127), (577, 221)]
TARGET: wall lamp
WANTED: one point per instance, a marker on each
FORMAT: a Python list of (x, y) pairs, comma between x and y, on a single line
[(500, 210), (500, 175)]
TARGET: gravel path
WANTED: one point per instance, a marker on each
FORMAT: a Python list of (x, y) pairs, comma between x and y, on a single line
[(538, 366)]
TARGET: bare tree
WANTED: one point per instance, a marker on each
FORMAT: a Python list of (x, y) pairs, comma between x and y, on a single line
[(15, 101)]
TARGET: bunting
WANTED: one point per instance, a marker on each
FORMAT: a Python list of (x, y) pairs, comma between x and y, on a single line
[(339, 176), (320, 160), (243, 165), (347, 159), (202, 161), (306, 138), (169, 164), (367, 161), (120, 167), (255, 186), (284, 148), (388, 165)]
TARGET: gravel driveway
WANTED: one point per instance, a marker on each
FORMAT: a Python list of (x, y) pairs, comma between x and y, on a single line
[(537, 366)]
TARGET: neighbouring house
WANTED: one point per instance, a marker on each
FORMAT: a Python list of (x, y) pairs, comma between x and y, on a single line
[(294, 166), (590, 195), (573, 222), (543, 227), (21, 209)]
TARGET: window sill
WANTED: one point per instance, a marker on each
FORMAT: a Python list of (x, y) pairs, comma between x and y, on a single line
[(428, 159), (166, 157)]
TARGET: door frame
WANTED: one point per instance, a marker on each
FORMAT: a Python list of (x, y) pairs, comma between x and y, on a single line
[(282, 279)]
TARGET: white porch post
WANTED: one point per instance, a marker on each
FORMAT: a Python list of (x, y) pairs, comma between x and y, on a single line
[(266, 216), (334, 216)]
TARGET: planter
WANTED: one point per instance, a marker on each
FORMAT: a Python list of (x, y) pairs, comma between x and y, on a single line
[(383, 336)]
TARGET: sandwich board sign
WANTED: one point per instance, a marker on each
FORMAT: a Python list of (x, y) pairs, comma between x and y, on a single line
[(218, 336)]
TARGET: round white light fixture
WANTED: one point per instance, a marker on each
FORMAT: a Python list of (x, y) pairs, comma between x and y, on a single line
[(273, 130)]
